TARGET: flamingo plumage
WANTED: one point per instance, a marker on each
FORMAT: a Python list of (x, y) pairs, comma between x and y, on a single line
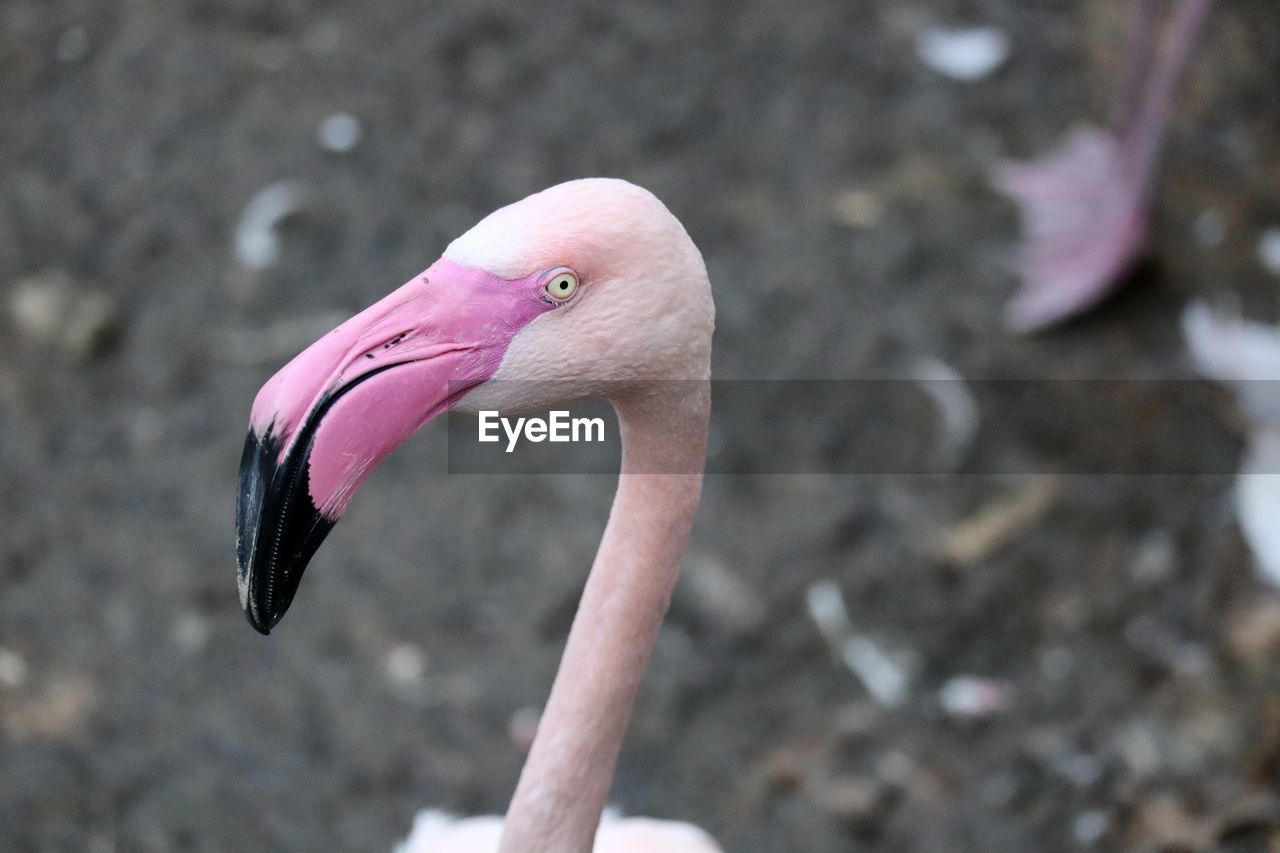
[(438, 832)]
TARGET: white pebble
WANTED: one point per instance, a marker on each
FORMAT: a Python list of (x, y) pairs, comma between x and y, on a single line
[(976, 698), (1269, 250), (1258, 501), (967, 54), (257, 245), (1246, 355), (406, 666), (72, 44), (957, 407), (827, 609), (13, 668), (886, 678), (1238, 352), (340, 133)]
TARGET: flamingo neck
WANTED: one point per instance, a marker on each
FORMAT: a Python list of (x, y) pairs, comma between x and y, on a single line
[(565, 782)]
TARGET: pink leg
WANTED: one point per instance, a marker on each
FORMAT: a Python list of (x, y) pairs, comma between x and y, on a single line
[(1084, 203), (1139, 51), (1144, 137)]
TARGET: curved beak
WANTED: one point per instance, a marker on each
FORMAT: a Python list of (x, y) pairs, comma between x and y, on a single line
[(320, 426)]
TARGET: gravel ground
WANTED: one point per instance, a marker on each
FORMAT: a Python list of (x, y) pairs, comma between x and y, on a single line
[(1124, 651)]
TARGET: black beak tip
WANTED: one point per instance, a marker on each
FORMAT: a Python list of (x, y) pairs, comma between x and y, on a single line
[(278, 527), (263, 628)]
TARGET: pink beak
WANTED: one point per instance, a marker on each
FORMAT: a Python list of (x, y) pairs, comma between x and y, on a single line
[(320, 426)]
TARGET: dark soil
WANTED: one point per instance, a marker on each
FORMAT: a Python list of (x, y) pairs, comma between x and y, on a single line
[(138, 711)]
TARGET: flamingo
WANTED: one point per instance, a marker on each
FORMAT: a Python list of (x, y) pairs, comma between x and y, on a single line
[(1084, 204), (592, 283)]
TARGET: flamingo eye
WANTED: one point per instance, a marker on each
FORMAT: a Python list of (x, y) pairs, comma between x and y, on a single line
[(562, 286)]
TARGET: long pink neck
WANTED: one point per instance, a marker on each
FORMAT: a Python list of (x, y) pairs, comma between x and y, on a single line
[(565, 783)]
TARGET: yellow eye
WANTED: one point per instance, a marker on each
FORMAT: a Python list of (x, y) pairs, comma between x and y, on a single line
[(562, 286)]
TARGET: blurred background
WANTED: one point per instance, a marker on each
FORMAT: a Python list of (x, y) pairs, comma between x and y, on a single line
[(1080, 662)]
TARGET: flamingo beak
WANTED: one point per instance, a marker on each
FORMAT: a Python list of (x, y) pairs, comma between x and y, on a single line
[(320, 426)]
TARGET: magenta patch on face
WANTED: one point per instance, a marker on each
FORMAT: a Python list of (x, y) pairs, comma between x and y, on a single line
[(380, 376)]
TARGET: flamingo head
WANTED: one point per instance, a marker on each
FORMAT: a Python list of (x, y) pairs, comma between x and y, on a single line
[(591, 283)]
